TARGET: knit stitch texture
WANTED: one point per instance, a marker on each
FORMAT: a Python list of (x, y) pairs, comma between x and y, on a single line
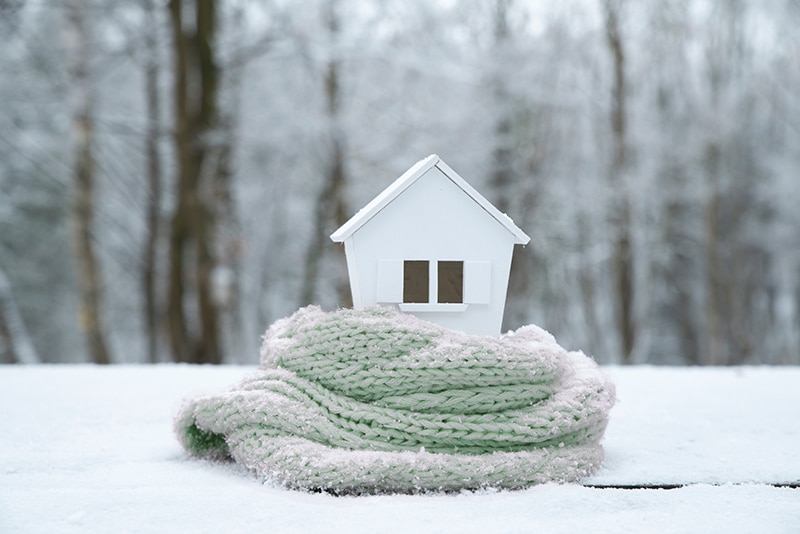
[(375, 401)]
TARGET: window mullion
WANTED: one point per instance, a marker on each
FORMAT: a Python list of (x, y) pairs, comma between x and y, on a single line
[(433, 281)]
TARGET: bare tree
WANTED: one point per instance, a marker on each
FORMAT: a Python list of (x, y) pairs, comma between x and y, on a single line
[(330, 209), (192, 313), (503, 151), (676, 267), (15, 343), (504, 180), (151, 308), (738, 211), (83, 190), (623, 288)]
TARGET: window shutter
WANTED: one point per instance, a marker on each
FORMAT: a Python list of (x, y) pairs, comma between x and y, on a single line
[(390, 281), (477, 282)]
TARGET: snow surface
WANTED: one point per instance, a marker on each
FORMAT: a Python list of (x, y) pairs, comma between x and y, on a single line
[(91, 449)]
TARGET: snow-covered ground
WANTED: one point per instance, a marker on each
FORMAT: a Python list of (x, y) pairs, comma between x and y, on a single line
[(89, 449)]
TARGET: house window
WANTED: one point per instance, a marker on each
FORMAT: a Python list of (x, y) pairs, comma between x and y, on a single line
[(447, 280), (436, 285), (451, 282), (416, 281)]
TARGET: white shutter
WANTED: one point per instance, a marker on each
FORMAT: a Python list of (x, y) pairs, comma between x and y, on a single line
[(390, 281), (477, 282)]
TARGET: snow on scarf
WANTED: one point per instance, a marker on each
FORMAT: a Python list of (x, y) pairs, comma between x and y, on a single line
[(375, 401)]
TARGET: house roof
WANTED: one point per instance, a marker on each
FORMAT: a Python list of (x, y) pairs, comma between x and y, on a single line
[(405, 181)]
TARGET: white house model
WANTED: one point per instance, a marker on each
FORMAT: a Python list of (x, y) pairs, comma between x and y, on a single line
[(433, 246)]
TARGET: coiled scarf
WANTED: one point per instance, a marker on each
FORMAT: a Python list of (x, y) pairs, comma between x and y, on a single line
[(375, 401)]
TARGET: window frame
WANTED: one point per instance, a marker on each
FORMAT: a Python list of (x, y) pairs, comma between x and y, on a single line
[(433, 303)]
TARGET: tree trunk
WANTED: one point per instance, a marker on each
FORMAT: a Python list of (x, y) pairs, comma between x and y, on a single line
[(622, 263), (715, 283), (681, 301), (503, 153), (587, 280), (730, 197), (330, 208), (15, 343), (82, 206), (194, 338), (503, 180), (330, 212), (154, 183)]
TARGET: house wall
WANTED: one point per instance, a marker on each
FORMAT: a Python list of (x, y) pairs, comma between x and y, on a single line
[(434, 220)]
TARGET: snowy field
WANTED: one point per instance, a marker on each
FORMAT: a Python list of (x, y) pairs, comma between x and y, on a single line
[(89, 449)]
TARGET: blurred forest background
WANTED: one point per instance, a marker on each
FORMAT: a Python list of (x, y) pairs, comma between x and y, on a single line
[(170, 170)]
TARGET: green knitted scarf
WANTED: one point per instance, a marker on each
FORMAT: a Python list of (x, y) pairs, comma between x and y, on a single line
[(375, 401)]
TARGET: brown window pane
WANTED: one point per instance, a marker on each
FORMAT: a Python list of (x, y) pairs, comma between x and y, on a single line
[(415, 281), (451, 282)]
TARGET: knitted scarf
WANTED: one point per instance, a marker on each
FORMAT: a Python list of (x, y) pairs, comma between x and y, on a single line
[(375, 401)]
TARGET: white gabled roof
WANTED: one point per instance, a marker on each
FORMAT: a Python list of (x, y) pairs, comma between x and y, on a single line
[(405, 181)]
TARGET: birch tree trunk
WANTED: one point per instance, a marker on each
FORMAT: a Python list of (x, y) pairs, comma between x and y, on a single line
[(83, 174)]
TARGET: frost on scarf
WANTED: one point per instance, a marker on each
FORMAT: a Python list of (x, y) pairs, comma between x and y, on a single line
[(375, 401)]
